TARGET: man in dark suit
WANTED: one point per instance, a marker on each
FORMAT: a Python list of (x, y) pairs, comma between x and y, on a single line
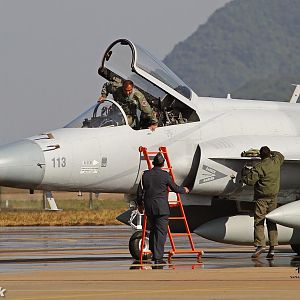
[(153, 196)]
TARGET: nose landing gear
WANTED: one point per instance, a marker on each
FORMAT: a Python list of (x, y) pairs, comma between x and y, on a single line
[(135, 246)]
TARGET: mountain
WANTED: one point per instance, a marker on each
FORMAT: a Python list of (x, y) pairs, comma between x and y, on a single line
[(250, 49)]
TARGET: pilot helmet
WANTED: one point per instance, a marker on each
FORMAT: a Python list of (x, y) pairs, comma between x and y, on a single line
[(158, 160)]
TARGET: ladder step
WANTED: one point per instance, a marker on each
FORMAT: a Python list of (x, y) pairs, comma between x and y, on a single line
[(180, 234), (152, 153), (187, 251), (176, 218), (165, 168)]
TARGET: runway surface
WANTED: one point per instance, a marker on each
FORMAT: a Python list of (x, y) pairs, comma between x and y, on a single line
[(94, 263), (106, 248)]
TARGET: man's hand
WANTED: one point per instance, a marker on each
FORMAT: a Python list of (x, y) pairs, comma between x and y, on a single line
[(101, 99), (152, 127), (186, 189)]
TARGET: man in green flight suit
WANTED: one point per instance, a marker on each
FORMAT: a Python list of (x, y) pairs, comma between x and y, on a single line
[(130, 99), (265, 177)]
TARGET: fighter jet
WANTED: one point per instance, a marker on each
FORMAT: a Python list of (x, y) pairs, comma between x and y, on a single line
[(98, 151)]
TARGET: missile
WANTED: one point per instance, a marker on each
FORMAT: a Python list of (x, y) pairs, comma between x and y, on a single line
[(239, 230), (286, 215)]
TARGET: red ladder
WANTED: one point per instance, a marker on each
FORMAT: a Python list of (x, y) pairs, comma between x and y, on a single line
[(172, 203)]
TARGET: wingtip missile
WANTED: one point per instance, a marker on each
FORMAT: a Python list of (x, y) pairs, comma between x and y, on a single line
[(286, 215)]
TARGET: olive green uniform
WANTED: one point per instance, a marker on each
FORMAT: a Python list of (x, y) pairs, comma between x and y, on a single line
[(129, 103), (265, 177)]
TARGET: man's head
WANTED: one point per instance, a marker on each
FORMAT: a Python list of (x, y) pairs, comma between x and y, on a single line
[(264, 152), (158, 160), (127, 87)]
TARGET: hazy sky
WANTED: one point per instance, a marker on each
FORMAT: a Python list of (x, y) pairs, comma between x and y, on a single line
[(51, 49)]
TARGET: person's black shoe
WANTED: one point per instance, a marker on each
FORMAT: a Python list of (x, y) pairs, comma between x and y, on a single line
[(271, 253), (157, 267), (160, 262), (259, 250)]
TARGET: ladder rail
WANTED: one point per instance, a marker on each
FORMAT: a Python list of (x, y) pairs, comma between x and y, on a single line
[(149, 164), (143, 238)]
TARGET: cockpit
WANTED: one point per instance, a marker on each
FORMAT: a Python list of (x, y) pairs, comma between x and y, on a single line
[(168, 96), (107, 113)]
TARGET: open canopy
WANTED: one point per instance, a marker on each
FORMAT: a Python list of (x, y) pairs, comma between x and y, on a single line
[(125, 58), (169, 97)]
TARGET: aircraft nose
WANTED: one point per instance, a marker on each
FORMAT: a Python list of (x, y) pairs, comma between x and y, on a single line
[(21, 164)]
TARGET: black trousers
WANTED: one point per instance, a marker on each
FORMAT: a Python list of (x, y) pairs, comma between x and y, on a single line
[(158, 226)]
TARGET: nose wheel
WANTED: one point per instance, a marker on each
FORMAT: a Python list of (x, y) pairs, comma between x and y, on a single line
[(135, 246)]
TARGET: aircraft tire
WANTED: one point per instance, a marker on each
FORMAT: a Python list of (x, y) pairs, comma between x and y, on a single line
[(135, 245), (296, 248)]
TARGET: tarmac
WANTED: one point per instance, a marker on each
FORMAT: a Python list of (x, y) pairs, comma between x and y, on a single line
[(94, 263)]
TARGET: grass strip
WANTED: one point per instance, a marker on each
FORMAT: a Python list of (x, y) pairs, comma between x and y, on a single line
[(61, 218)]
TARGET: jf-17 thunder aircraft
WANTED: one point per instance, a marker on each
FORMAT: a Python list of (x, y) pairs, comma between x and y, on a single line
[(205, 136)]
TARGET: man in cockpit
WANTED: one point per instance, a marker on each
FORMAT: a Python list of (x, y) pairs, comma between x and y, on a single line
[(130, 99)]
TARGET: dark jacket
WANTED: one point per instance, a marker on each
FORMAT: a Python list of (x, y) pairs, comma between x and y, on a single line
[(265, 176), (153, 191)]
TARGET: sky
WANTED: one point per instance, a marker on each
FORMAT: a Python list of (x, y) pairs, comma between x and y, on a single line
[(50, 51)]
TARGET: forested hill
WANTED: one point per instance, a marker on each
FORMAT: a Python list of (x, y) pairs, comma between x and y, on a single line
[(249, 48)]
